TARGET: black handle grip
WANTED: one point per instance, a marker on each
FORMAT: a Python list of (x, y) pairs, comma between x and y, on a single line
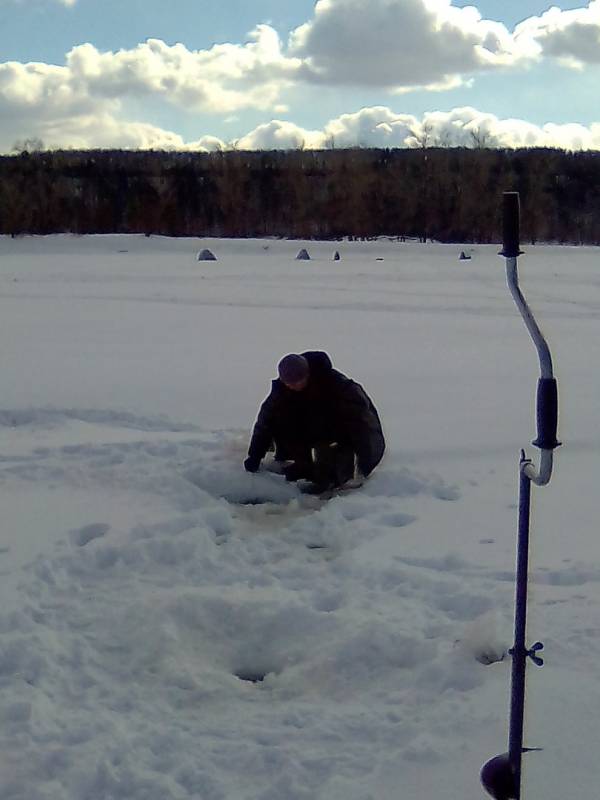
[(547, 414), (510, 225)]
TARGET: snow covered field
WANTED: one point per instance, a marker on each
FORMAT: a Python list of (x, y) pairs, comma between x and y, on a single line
[(140, 592)]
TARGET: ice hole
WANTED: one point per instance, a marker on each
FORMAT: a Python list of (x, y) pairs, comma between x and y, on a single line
[(250, 676), (252, 501)]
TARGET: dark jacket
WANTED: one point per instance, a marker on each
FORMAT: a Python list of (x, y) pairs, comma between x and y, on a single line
[(332, 408)]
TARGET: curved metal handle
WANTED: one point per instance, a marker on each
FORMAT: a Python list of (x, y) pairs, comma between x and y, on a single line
[(547, 390)]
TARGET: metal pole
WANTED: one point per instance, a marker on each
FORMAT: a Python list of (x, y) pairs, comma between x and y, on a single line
[(501, 775), (519, 651)]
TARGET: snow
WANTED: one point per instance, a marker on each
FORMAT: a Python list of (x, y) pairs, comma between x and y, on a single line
[(163, 635)]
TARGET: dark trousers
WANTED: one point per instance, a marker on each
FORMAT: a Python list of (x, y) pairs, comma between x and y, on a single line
[(333, 464), (325, 463)]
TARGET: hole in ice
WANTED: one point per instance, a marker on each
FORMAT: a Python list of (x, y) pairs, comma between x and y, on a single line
[(240, 488), (250, 676), (490, 656), (87, 534), (253, 501)]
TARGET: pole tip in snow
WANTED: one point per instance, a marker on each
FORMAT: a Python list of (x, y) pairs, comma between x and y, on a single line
[(498, 778)]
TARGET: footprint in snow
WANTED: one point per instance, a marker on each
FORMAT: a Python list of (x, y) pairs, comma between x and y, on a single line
[(87, 534), (397, 519)]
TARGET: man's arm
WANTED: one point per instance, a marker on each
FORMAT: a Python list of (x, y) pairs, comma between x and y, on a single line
[(262, 435)]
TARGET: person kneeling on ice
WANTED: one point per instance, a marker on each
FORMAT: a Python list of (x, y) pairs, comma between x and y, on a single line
[(320, 420)]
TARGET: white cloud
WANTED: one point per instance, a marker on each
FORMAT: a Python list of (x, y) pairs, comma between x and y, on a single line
[(462, 127), (103, 130), (223, 79), (278, 135), (57, 102), (572, 36), (397, 45), (48, 102), (42, 90), (376, 126), (400, 43), (371, 127)]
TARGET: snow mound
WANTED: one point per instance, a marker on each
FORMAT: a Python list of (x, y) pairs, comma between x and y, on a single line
[(206, 255)]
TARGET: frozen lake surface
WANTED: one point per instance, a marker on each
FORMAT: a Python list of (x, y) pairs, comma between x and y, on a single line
[(162, 639)]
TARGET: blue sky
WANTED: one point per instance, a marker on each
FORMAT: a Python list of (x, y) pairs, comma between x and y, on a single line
[(221, 73)]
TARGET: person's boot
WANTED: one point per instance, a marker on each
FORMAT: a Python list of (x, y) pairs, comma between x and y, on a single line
[(333, 466), (344, 466), (324, 469), (298, 470)]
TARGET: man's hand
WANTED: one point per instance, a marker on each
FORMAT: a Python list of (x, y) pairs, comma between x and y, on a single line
[(251, 464)]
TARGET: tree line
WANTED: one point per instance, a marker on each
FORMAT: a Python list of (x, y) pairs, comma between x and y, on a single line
[(444, 194)]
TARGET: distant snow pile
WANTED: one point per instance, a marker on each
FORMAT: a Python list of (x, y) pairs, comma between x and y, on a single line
[(303, 255), (206, 255)]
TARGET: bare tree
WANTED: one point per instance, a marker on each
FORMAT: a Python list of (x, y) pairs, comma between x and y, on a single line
[(422, 136), (31, 145), (480, 138)]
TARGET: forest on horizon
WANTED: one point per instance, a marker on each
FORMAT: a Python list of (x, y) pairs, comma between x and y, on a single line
[(440, 194)]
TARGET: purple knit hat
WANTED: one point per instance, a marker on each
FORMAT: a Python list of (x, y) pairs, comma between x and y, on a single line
[(293, 369)]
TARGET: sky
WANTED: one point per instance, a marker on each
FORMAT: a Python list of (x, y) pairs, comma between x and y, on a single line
[(214, 74)]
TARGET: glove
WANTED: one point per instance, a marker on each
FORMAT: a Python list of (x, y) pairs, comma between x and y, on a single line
[(251, 464)]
